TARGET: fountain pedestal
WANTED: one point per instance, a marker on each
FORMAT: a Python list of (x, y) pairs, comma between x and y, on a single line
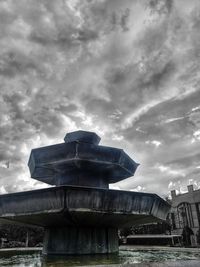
[(80, 214), (80, 240)]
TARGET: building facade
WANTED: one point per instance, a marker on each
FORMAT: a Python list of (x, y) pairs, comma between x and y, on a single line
[(185, 215)]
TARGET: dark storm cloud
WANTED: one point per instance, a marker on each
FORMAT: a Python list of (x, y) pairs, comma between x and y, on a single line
[(16, 63), (187, 160), (128, 70), (161, 6), (64, 38)]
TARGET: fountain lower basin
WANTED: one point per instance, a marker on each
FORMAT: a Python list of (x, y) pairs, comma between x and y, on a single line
[(81, 220)]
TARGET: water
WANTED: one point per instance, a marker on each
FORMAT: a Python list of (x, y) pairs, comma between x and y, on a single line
[(35, 259)]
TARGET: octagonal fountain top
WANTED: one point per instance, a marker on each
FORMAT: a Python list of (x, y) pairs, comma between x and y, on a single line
[(82, 137), (80, 161)]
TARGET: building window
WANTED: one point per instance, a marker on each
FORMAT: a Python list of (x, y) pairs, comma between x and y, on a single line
[(173, 221), (198, 212), (185, 215)]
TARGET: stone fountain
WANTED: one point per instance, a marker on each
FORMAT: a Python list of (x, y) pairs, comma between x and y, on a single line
[(80, 214)]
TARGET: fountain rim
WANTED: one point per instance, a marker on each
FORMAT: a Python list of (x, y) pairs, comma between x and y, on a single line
[(87, 188)]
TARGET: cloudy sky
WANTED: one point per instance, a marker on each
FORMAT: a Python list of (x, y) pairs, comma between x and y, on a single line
[(128, 70)]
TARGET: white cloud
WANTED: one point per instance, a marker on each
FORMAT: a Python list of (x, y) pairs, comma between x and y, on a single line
[(156, 143), (2, 190), (114, 187), (4, 165), (116, 137), (138, 129), (131, 118), (196, 135), (169, 171), (174, 119), (24, 149), (196, 108), (138, 189)]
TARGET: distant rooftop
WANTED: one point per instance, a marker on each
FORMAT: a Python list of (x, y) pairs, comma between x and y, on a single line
[(190, 191)]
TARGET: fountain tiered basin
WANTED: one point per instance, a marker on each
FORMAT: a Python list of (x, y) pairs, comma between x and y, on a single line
[(81, 215)]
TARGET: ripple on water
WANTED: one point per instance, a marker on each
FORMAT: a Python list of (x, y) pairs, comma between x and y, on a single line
[(35, 259)]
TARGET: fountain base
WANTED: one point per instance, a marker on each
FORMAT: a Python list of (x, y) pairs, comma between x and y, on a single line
[(80, 240)]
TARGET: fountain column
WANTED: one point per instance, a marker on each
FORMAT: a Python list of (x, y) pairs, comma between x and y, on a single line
[(80, 240)]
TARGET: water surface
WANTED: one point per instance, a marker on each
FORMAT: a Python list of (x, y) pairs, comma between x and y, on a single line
[(35, 259)]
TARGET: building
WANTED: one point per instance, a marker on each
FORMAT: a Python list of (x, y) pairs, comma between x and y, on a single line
[(185, 215)]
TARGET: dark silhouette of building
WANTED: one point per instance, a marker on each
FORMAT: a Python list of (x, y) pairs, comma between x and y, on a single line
[(185, 215)]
